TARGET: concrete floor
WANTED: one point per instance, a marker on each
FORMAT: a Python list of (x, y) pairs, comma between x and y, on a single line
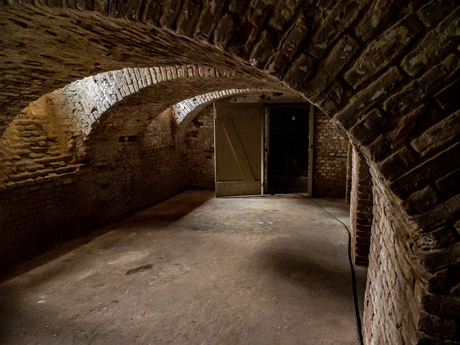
[(193, 270)]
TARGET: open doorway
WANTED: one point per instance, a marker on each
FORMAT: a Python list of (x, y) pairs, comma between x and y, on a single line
[(288, 136), (263, 145)]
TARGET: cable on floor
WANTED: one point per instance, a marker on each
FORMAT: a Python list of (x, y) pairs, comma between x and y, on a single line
[(353, 275)]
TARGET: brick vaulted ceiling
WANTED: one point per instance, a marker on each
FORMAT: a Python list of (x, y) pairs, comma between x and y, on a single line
[(386, 71)]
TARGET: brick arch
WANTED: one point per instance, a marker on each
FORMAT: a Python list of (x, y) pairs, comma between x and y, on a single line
[(63, 119), (386, 71), (188, 108)]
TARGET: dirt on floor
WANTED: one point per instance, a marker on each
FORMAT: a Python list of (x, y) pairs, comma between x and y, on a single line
[(193, 270)]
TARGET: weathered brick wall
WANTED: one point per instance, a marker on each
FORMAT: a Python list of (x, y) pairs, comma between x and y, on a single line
[(330, 154), (413, 277), (392, 301), (330, 145), (49, 198), (361, 213), (349, 172), (199, 142), (52, 189)]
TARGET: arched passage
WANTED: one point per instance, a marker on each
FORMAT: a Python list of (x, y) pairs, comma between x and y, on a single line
[(386, 71)]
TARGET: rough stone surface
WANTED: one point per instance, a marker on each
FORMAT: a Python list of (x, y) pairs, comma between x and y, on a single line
[(436, 43), (299, 72), (370, 95), (431, 170), (396, 164), (434, 11), (331, 66), (441, 134), (282, 12), (263, 49), (380, 11), (450, 184), (421, 201), (188, 17), (447, 98), (405, 127), (382, 51), (446, 212), (366, 129), (420, 88), (437, 239), (338, 20), (332, 99), (208, 19), (224, 31), (289, 46)]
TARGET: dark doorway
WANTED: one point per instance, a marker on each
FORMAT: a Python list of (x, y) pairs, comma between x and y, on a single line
[(288, 149)]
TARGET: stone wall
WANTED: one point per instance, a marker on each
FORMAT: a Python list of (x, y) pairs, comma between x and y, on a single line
[(330, 145), (361, 204)]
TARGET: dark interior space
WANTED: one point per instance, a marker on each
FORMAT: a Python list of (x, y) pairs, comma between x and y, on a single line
[(288, 149)]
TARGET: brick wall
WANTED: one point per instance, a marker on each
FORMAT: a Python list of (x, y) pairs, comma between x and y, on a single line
[(199, 142), (330, 158), (394, 287), (391, 309), (361, 203), (49, 198), (413, 278), (349, 172)]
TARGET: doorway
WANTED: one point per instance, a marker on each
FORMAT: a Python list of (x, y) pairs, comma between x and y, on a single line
[(263, 148), (288, 160)]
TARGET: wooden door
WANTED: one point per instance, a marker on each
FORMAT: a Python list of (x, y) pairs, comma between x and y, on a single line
[(238, 146)]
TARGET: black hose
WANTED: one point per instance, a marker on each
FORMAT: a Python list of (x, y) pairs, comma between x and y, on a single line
[(353, 276)]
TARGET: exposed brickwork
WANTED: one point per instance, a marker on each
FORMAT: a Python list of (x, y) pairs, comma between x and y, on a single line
[(349, 172), (182, 109), (392, 301), (389, 73), (361, 204), (330, 147), (199, 142), (330, 154), (63, 200)]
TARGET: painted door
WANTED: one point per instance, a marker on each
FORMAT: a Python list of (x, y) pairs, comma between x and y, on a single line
[(238, 146)]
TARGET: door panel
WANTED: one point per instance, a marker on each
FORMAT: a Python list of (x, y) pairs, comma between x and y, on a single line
[(238, 135)]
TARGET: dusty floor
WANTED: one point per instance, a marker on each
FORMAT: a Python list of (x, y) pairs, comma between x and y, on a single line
[(193, 270)]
